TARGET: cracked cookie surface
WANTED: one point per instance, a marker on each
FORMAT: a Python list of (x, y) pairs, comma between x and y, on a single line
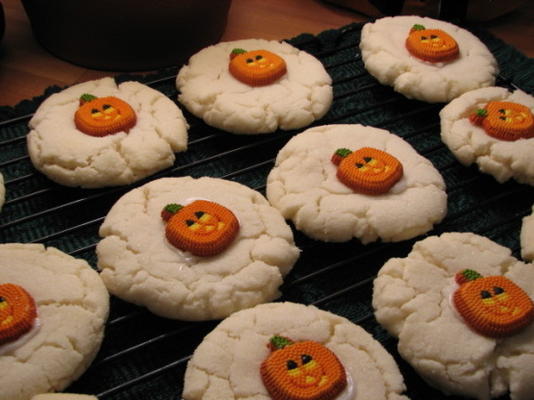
[(209, 91), (412, 300), (138, 264), (72, 307), (72, 158), (226, 365), (386, 58), (471, 144), (303, 185)]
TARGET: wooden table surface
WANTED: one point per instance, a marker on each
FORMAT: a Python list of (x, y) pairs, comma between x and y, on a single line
[(26, 69)]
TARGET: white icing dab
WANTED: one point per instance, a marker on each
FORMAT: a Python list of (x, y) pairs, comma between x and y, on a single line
[(9, 347), (349, 393)]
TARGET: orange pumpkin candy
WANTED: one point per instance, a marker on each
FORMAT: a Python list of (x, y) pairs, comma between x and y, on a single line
[(17, 312), (493, 306), (367, 170), (102, 116), (257, 67), (432, 45), (505, 120), (203, 228), (304, 370)]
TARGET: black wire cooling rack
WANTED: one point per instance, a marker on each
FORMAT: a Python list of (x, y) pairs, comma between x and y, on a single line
[(144, 356)]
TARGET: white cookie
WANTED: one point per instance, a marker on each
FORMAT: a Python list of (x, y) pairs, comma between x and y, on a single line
[(70, 157), (209, 91), (303, 185), (387, 59), (470, 143), (139, 265), (72, 307), (226, 365), (63, 396), (412, 300), (2, 191), (527, 237)]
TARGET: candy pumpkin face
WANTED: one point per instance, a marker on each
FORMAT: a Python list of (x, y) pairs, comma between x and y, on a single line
[(17, 312), (432, 45), (505, 120), (303, 371), (203, 228), (493, 306), (104, 116), (367, 170), (257, 67)]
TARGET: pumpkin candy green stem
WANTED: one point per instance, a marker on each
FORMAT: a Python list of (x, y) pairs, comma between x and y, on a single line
[(169, 210), (340, 154), (478, 116), (236, 52), (418, 27), (467, 275), (279, 342), (86, 97)]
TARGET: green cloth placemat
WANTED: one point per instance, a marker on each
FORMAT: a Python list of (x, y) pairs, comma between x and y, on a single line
[(143, 356)]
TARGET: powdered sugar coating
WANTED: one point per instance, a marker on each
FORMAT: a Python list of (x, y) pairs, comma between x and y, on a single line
[(226, 365), (139, 265), (70, 157), (303, 185), (209, 91), (470, 143), (411, 298), (387, 59)]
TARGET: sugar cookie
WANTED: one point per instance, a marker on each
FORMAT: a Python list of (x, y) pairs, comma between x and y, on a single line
[(53, 308), (291, 351), (98, 133), (144, 258), (505, 155), (288, 96), (462, 309), (329, 202), (63, 396), (393, 53)]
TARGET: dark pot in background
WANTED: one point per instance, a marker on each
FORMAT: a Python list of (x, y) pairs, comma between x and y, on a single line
[(126, 35), (2, 22)]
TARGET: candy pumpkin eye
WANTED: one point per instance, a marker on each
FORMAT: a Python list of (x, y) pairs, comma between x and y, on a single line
[(503, 118), (424, 38), (306, 358), (258, 57), (2, 300), (106, 106), (291, 364), (199, 214), (485, 294), (249, 60), (501, 111), (498, 290), (94, 111)]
